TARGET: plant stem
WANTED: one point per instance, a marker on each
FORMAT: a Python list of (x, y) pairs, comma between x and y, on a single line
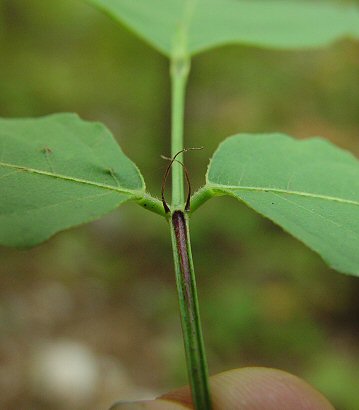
[(189, 310), (201, 196), (179, 74), (151, 204), (182, 254)]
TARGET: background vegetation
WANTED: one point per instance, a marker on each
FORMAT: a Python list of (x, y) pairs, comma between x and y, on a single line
[(91, 316)]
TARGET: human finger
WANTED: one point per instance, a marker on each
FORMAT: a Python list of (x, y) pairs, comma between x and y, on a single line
[(245, 389)]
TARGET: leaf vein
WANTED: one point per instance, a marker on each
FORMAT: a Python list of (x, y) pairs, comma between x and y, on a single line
[(49, 206), (284, 191), (71, 179), (316, 213)]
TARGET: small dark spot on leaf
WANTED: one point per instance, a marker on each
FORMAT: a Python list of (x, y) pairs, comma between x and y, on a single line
[(46, 150), (110, 171)]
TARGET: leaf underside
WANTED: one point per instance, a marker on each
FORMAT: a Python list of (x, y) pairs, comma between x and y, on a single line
[(187, 27), (310, 188), (56, 172)]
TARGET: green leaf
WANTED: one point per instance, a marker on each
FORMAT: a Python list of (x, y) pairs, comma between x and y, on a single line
[(56, 172), (310, 188), (187, 27)]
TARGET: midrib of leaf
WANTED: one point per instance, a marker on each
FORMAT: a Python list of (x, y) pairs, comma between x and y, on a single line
[(319, 215), (283, 191), (69, 201), (71, 179)]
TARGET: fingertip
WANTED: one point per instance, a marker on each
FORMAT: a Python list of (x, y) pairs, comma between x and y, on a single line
[(258, 389), (158, 404), (265, 389)]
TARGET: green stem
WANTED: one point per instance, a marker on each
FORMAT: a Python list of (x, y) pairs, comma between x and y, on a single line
[(151, 204), (179, 74), (182, 254), (189, 310), (201, 196)]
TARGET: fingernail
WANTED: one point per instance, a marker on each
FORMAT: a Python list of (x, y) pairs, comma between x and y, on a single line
[(127, 405)]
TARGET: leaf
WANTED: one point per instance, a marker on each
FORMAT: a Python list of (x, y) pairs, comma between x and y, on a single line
[(187, 27), (310, 188), (56, 172)]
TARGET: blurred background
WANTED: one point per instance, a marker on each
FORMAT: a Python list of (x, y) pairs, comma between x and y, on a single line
[(91, 316)]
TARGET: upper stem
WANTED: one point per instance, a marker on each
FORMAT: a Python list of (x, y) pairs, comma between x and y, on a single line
[(179, 74)]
